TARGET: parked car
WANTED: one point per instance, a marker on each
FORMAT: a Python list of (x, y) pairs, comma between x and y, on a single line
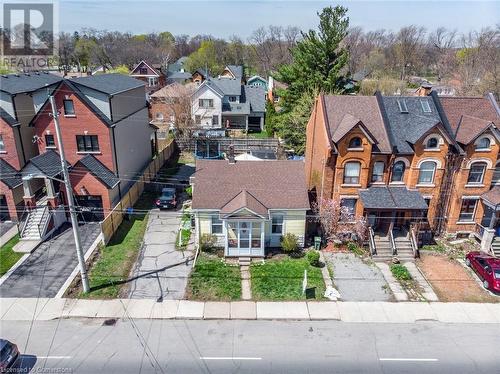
[(168, 198), (9, 355), (486, 267)]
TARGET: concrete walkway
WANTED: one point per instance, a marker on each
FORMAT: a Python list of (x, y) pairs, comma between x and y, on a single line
[(428, 293), (161, 271), (398, 291), (43, 309), (45, 271)]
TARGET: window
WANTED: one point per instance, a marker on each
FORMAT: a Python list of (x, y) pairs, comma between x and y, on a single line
[(378, 171), (87, 143), (152, 81), (355, 143), (476, 173), (350, 204), (143, 71), (496, 175), (402, 106), (483, 143), (351, 172), (49, 141), (467, 210), (206, 103), (426, 107), (2, 144), (159, 116), (232, 99), (216, 225), (161, 134), (69, 108), (432, 143), (427, 170), (277, 224), (398, 171), (197, 119), (215, 120)]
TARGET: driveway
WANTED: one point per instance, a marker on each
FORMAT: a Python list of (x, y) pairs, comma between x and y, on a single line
[(44, 272), (162, 271), (357, 280)]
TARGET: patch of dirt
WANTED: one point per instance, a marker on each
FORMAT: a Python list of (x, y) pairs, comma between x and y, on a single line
[(451, 281)]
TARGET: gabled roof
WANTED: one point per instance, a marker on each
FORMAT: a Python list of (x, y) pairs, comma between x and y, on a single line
[(235, 70), (29, 82), (7, 117), (217, 182), (469, 128), (347, 124), (175, 90), (47, 163), (110, 84), (98, 170), (229, 87), (256, 77), (383, 197), (244, 200), (256, 97), (409, 126), (362, 108), (212, 86), (10, 176), (150, 66), (179, 75)]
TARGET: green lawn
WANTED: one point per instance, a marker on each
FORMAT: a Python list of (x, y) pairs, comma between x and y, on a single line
[(115, 260), (212, 279), (258, 135), (7, 256), (281, 279)]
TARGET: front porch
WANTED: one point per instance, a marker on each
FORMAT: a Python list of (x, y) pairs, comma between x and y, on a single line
[(487, 232)]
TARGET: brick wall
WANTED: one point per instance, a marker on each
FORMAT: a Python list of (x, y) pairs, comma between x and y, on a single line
[(10, 139)]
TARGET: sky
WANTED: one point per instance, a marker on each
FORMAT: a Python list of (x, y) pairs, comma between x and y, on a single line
[(241, 17)]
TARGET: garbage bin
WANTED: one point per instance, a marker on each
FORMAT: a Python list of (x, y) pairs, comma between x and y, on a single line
[(317, 243)]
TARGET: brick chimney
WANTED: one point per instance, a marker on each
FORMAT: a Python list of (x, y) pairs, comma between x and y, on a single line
[(424, 89)]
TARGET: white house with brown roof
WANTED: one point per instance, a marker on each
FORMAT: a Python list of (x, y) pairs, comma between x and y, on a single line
[(249, 205)]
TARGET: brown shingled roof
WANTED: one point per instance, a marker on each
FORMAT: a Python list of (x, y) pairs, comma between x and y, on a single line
[(244, 200), (478, 107), (272, 184), (470, 128), (362, 108), (492, 196)]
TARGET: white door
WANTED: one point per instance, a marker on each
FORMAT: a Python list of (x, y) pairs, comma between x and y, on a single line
[(244, 238)]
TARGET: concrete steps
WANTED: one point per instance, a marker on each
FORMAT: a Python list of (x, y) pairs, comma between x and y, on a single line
[(30, 231), (495, 247), (384, 249)]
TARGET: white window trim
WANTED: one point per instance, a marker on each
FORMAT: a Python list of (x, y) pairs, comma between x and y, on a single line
[(437, 161), (492, 141), (489, 163), (283, 232), (221, 223), (472, 221), (440, 142)]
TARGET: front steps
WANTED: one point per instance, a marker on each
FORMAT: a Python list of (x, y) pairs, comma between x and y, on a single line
[(384, 251), (495, 246)]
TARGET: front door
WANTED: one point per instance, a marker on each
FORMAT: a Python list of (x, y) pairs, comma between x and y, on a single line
[(244, 238), (244, 245)]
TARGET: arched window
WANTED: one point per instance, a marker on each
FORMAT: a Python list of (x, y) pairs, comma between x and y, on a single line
[(398, 171), (483, 143), (476, 173), (432, 143), (351, 172), (159, 116), (427, 170), (355, 143)]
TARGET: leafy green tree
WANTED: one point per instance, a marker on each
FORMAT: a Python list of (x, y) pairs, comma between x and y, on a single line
[(270, 118), (120, 69), (205, 56), (318, 60)]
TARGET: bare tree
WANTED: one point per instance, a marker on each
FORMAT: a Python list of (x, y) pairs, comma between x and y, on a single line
[(408, 48)]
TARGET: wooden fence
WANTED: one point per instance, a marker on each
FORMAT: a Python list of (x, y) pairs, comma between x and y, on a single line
[(113, 220)]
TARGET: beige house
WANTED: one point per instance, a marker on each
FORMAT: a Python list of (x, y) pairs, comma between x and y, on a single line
[(249, 205)]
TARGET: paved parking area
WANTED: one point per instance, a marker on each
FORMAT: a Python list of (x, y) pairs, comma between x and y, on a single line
[(44, 272), (357, 280)]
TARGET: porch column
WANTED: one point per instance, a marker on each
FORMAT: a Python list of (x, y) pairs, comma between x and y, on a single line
[(29, 197), (487, 239), (262, 238), (51, 196), (246, 123), (261, 123), (493, 219)]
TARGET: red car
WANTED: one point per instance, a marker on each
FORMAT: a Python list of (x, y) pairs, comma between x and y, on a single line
[(487, 268)]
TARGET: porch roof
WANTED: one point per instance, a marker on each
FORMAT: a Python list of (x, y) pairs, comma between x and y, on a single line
[(10, 176), (492, 196), (400, 198), (241, 201), (47, 164)]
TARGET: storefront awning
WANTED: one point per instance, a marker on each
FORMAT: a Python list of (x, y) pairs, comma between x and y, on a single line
[(389, 198)]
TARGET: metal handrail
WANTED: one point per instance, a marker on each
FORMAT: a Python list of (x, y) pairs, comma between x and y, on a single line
[(393, 244), (44, 221), (413, 241), (373, 248), (21, 224)]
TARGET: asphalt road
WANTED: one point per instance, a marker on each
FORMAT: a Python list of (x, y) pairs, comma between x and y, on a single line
[(177, 346)]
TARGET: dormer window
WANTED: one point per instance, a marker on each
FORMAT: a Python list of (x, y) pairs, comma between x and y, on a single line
[(432, 143), (483, 143), (403, 108), (355, 143), (232, 99)]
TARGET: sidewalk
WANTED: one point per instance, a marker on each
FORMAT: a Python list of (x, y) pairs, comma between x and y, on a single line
[(44, 309)]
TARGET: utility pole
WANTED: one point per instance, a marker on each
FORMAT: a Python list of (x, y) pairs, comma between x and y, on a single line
[(71, 204)]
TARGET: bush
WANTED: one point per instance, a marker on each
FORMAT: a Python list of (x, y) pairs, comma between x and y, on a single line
[(400, 272), (313, 258), (290, 243), (208, 243), (353, 247), (189, 191)]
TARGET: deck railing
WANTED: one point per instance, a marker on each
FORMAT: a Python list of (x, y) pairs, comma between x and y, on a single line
[(479, 230)]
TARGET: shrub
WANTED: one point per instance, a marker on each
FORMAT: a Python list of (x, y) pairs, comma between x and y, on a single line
[(400, 272), (352, 247), (189, 191), (208, 242), (313, 258), (290, 243)]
